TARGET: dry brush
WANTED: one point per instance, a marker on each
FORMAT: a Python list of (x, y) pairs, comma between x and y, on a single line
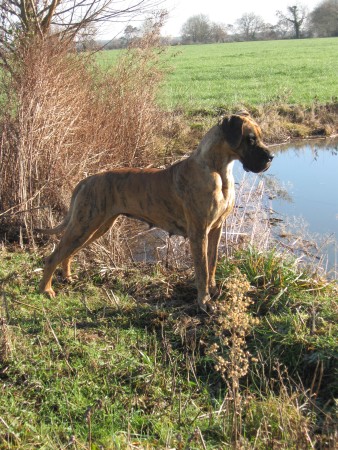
[(63, 119)]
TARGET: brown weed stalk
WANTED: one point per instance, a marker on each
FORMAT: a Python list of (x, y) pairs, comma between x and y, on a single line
[(231, 324)]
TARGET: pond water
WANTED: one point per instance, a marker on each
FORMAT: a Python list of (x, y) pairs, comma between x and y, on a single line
[(308, 175)]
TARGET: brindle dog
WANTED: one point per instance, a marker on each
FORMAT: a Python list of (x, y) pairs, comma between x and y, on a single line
[(191, 198)]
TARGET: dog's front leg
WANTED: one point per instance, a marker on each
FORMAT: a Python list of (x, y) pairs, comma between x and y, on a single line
[(199, 250), (214, 237)]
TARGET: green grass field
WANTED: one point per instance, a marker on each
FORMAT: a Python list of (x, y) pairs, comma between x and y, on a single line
[(249, 74), (121, 361)]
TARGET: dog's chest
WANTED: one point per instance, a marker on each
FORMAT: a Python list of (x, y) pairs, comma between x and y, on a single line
[(228, 203), (227, 199), (223, 200)]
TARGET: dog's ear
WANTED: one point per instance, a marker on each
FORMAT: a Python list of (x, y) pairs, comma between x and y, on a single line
[(233, 129), (243, 112)]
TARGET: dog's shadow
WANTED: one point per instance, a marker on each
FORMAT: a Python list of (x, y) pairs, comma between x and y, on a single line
[(151, 303), (180, 294)]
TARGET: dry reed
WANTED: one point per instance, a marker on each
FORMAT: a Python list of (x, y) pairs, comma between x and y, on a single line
[(64, 119)]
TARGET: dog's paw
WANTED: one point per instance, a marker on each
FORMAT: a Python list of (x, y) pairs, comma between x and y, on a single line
[(215, 292), (205, 304), (49, 293), (70, 279)]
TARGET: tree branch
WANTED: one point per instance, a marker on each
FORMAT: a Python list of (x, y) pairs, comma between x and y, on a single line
[(46, 21)]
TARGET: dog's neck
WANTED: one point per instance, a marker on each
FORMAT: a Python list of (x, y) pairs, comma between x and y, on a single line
[(210, 153)]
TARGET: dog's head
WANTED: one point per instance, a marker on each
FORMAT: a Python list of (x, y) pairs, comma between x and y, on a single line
[(244, 137)]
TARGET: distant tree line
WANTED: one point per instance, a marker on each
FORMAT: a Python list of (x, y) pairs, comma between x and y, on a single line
[(294, 23)]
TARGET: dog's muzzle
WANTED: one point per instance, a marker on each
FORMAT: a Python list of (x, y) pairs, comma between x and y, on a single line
[(257, 161)]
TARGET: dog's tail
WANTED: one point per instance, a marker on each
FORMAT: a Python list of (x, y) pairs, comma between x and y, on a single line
[(62, 226), (56, 230)]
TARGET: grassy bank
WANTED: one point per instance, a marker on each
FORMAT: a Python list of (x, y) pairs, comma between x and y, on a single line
[(124, 360)]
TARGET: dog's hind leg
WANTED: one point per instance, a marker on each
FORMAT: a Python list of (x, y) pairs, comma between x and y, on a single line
[(74, 238), (66, 269), (66, 263)]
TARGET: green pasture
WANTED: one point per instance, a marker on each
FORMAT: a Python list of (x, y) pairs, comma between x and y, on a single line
[(248, 73), (119, 360)]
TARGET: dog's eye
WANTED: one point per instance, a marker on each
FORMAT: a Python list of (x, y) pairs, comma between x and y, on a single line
[(252, 139)]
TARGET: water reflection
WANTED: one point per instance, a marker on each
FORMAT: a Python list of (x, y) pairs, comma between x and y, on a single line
[(308, 172)]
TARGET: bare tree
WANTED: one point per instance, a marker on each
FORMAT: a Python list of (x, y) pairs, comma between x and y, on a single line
[(64, 18), (130, 34), (295, 16), (218, 32), (324, 18), (249, 25), (196, 29), (86, 38), (283, 29)]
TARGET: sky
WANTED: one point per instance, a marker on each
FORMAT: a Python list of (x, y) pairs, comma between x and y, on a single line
[(221, 11)]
